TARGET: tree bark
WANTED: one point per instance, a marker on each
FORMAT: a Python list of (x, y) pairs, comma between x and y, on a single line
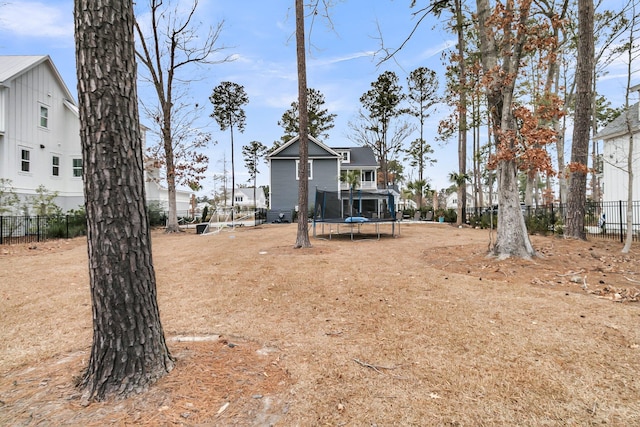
[(129, 350), (302, 238), (462, 126), (577, 198)]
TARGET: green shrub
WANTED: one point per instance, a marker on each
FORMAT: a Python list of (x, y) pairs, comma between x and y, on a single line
[(156, 214)]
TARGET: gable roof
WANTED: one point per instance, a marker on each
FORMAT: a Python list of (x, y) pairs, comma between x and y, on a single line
[(618, 126), (295, 139), (360, 156), (12, 66)]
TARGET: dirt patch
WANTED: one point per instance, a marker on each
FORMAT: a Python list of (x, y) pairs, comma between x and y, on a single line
[(422, 329)]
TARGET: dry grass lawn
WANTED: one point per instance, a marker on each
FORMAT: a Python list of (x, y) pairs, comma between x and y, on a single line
[(422, 330)]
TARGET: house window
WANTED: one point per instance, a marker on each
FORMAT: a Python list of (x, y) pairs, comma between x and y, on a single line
[(77, 167), (55, 166), (25, 160), (368, 176), (44, 117), (239, 199), (309, 169), (346, 156)]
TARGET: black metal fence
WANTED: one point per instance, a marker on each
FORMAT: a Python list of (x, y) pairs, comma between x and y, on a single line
[(602, 220), (28, 229)]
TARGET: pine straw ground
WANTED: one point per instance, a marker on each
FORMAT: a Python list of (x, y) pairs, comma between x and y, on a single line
[(419, 330)]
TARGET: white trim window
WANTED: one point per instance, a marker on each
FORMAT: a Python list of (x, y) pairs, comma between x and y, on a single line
[(309, 169), (346, 156), (55, 165), (77, 168), (25, 160), (239, 198), (44, 117)]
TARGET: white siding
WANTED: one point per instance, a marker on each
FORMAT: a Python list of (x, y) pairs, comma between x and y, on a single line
[(614, 168)]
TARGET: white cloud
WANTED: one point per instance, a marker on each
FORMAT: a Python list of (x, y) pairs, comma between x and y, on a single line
[(435, 50), (343, 58), (34, 19)]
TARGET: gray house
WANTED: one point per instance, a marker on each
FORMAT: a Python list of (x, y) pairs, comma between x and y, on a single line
[(324, 172), (326, 166)]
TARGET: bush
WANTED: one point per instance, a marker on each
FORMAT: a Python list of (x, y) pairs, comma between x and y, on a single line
[(205, 213), (450, 215), (156, 214)]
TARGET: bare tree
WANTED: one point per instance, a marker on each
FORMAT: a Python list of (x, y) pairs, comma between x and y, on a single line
[(632, 54), (129, 351), (167, 49)]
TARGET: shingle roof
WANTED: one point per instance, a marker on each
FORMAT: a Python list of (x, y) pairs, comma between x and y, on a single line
[(360, 156), (619, 125)]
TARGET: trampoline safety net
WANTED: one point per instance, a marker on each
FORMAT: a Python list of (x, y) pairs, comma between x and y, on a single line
[(333, 205)]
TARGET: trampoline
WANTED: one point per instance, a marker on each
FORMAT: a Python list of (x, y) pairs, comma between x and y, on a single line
[(357, 214)]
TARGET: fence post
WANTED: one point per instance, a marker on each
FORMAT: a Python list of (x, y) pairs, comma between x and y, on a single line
[(620, 209), (66, 220), (1, 229)]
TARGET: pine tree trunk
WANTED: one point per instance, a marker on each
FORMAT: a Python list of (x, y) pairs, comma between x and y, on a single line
[(302, 238), (129, 350), (577, 198)]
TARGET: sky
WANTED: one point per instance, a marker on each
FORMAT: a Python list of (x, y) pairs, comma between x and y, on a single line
[(258, 35)]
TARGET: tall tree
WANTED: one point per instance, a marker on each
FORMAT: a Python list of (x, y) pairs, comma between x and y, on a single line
[(502, 42), (252, 152), (228, 99), (129, 351), (382, 104), (459, 69), (166, 52), (302, 236), (320, 120), (632, 55), (578, 169), (460, 181), (422, 85)]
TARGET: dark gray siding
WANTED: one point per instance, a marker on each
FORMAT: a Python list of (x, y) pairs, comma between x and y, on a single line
[(284, 185)]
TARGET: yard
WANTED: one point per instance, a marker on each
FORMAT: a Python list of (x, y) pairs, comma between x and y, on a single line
[(422, 329)]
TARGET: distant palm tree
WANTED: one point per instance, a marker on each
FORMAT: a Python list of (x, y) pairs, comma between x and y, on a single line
[(352, 178), (460, 180), (418, 187)]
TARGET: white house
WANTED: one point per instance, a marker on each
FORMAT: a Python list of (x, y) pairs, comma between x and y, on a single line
[(39, 130), (615, 152), (40, 135), (244, 198)]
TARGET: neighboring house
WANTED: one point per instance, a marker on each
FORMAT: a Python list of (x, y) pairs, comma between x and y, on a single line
[(452, 199), (40, 135), (326, 166), (39, 130), (244, 198), (615, 151), (156, 191)]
